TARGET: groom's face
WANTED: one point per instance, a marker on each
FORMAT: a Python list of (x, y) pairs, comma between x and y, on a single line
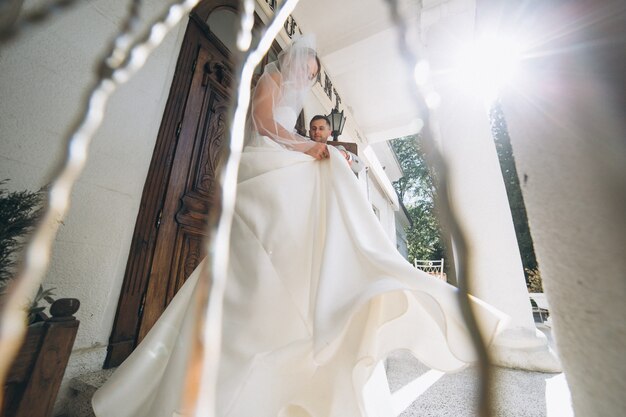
[(319, 130)]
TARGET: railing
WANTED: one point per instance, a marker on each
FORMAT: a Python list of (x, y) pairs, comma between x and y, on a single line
[(434, 268), (35, 376), (540, 308)]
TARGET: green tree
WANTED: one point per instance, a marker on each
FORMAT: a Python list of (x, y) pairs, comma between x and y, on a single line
[(416, 190), (504, 149), (416, 184)]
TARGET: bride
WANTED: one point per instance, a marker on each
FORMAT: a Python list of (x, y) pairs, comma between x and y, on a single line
[(317, 295)]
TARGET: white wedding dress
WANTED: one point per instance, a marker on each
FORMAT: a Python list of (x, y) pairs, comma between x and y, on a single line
[(317, 296)]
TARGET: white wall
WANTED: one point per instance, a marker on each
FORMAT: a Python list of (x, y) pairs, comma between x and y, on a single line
[(401, 239), (45, 72), (386, 211)]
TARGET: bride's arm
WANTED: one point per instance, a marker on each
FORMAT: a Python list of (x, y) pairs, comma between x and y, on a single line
[(263, 102), (265, 96)]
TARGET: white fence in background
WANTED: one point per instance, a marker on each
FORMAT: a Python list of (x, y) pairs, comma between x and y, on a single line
[(434, 268)]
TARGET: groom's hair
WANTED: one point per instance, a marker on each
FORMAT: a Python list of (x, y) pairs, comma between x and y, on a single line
[(320, 117)]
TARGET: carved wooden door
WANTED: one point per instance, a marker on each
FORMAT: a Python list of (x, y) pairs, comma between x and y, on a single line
[(191, 186), (180, 189)]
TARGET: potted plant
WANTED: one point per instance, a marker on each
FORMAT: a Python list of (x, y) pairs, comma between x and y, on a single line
[(35, 376)]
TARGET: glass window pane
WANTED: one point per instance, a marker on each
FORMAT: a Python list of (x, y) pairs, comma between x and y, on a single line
[(223, 23)]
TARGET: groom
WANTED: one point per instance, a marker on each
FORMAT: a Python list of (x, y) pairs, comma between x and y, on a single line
[(320, 130)]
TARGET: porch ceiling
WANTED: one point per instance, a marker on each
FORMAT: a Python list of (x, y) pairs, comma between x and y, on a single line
[(357, 44)]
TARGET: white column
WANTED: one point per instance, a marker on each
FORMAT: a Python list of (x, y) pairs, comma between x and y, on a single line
[(479, 195), (567, 121)]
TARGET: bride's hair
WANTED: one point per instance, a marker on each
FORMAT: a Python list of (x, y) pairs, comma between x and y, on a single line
[(310, 53)]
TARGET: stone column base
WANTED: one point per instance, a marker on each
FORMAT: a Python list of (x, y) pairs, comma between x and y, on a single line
[(526, 349)]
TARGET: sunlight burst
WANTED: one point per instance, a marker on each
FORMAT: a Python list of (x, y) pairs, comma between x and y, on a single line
[(489, 64)]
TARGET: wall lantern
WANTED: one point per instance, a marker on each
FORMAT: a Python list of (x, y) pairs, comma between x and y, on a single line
[(337, 121)]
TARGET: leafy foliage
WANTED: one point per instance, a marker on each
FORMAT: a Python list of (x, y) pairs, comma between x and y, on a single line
[(534, 280), (417, 183), (417, 191), (35, 309), (19, 213), (504, 149), (424, 235)]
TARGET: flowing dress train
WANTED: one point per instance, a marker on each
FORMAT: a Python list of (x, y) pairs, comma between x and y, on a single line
[(317, 296)]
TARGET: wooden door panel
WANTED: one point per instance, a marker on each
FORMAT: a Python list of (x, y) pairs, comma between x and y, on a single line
[(192, 187), (133, 292), (188, 254)]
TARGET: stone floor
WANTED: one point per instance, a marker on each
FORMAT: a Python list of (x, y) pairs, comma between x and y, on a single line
[(428, 393), (82, 389), (420, 391)]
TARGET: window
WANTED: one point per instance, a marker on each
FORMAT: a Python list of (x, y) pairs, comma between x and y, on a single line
[(223, 23)]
